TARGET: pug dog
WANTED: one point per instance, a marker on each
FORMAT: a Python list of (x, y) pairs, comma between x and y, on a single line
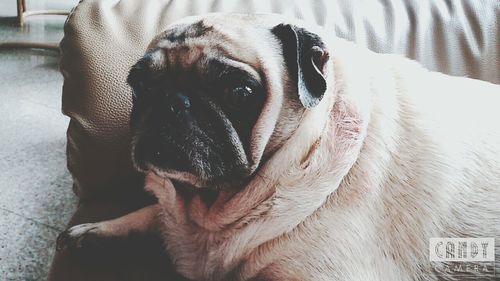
[(279, 152)]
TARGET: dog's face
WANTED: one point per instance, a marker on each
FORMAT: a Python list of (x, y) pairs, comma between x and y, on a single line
[(214, 96)]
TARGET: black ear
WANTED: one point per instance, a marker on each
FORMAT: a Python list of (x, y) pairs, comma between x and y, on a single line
[(139, 76), (305, 55)]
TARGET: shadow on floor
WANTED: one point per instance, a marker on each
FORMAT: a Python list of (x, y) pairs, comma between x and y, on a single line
[(8, 21)]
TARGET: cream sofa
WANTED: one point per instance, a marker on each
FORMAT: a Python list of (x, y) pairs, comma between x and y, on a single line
[(103, 38)]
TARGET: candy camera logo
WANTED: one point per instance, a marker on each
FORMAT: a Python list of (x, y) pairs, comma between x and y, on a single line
[(463, 258), (462, 249)]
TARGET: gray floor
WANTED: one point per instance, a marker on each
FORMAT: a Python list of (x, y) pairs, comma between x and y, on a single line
[(36, 200)]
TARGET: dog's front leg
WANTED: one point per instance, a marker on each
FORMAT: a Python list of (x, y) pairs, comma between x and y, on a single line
[(142, 221)]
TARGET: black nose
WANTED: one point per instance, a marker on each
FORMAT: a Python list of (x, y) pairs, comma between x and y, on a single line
[(179, 103)]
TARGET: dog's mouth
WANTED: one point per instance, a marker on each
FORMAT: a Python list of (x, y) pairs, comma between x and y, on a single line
[(192, 183), (187, 179)]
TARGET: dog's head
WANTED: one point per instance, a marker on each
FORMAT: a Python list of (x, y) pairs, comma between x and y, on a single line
[(216, 96)]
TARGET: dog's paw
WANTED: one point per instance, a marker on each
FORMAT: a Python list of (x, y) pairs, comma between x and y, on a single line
[(79, 236)]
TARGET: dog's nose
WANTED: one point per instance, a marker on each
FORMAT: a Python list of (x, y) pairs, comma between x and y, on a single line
[(179, 103)]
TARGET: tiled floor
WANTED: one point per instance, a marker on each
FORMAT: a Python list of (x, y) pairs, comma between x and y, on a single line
[(36, 200)]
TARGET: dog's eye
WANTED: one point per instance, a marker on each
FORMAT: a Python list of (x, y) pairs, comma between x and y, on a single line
[(237, 97)]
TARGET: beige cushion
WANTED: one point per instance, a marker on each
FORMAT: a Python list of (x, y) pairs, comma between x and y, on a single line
[(103, 38)]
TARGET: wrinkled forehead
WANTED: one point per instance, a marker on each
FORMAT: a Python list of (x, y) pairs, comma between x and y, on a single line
[(240, 41)]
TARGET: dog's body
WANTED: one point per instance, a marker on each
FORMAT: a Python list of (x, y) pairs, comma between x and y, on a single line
[(391, 156)]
